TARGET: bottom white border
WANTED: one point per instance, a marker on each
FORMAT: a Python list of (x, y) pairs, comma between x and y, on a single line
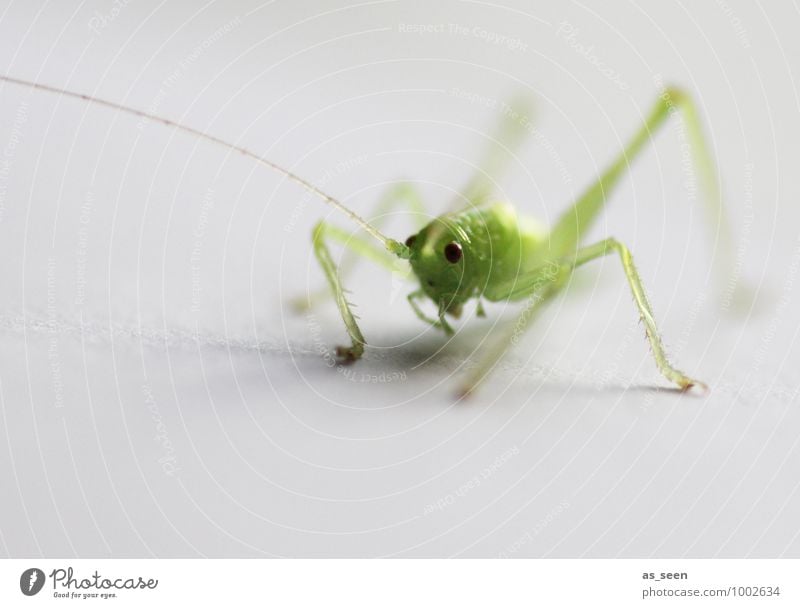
[(399, 582)]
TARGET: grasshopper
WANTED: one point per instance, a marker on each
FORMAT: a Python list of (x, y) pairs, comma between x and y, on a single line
[(486, 251)]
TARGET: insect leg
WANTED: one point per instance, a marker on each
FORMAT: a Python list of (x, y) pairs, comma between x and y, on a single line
[(401, 193), (439, 323), (542, 284), (346, 353), (567, 232), (514, 124), (608, 246)]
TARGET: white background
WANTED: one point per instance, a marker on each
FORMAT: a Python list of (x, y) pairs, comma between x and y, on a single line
[(130, 438)]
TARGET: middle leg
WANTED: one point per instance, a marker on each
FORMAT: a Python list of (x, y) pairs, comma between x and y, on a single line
[(542, 284), (608, 246)]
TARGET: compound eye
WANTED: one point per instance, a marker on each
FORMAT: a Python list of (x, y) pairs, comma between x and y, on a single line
[(452, 252), (411, 240)]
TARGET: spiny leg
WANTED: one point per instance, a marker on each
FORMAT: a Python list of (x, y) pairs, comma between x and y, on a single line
[(603, 248), (353, 352), (573, 224), (401, 193), (542, 284)]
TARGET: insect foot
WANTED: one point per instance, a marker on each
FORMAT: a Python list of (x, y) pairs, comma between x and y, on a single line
[(349, 354), (695, 387)]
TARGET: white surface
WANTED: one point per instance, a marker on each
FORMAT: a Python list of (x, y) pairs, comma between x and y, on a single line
[(132, 439)]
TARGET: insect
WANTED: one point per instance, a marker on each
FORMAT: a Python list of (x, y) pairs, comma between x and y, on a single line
[(486, 251)]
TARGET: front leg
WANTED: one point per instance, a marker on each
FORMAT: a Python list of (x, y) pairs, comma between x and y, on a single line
[(346, 354), (401, 193), (439, 323)]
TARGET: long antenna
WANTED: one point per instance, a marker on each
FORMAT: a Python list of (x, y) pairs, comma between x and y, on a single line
[(393, 246)]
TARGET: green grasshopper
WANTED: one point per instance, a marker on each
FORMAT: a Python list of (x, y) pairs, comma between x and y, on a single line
[(487, 251)]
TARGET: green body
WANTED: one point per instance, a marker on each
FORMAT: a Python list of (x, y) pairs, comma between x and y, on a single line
[(498, 247)]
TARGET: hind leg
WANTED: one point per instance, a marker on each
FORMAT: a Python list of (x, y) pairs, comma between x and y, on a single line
[(573, 224)]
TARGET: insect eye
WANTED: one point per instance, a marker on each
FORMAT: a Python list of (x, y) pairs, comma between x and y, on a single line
[(452, 252), (411, 240)]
